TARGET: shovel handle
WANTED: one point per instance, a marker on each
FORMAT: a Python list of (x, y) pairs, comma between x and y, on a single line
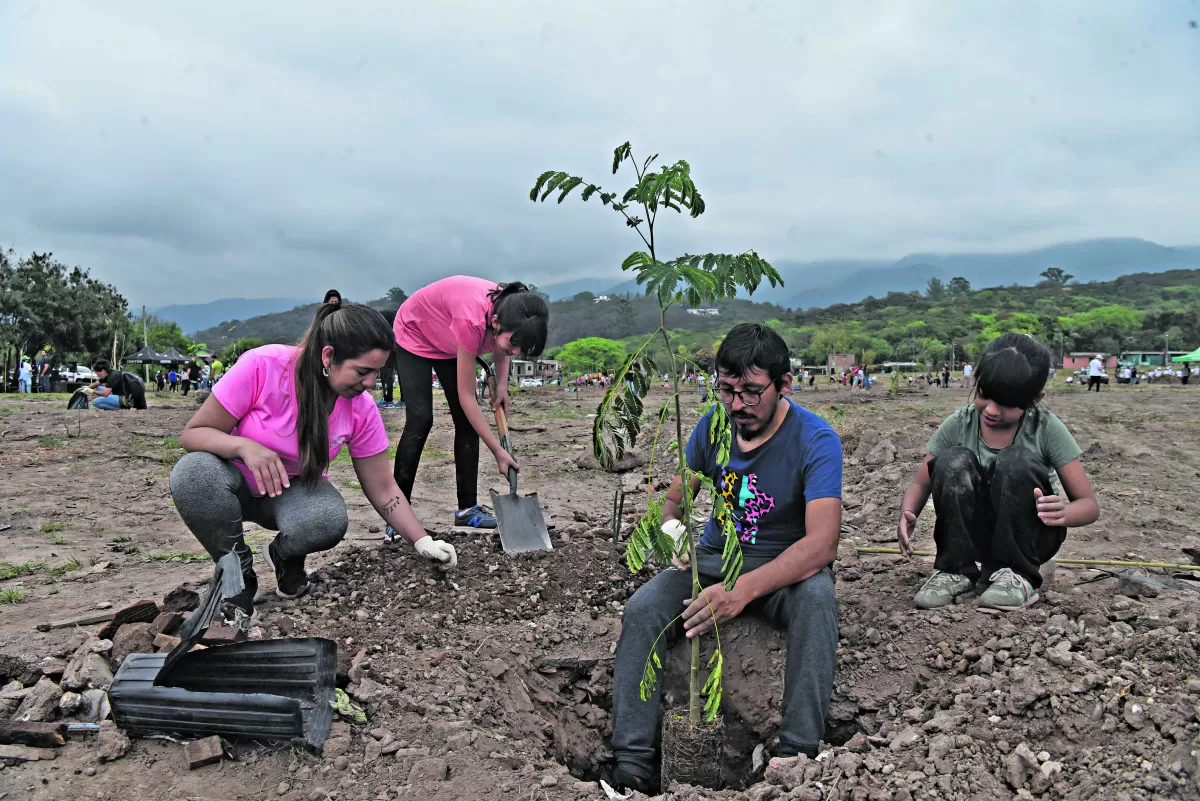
[(502, 427)]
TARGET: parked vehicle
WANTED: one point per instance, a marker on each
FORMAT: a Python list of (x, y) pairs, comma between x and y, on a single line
[(526, 383)]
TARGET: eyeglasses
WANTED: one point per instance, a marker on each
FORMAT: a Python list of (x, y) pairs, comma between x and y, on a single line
[(748, 397)]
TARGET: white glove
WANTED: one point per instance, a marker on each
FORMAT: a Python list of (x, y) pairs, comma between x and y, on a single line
[(437, 551), (676, 530)]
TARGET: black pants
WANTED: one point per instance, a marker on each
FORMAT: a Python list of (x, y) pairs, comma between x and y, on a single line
[(186, 386), (989, 516), (417, 391), (388, 376), (1094, 381)]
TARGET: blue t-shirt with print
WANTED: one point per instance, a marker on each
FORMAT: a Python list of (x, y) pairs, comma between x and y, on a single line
[(769, 486)]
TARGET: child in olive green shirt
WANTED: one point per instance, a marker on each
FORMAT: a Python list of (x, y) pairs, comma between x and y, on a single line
[(993, 470)]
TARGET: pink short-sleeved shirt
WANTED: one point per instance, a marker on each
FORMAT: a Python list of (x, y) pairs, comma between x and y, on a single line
[(260, 392), (439, 318)]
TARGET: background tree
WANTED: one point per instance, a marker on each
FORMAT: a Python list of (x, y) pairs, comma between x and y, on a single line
[(959, 287), (232, 352), (395, 296), (1056, 276), (935, 289), (690, 279), (592, 354), (164, 335)]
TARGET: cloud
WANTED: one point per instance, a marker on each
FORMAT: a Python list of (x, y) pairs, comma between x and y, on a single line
[(191, 154)]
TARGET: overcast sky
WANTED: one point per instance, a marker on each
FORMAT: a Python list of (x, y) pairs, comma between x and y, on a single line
[(193, 151)]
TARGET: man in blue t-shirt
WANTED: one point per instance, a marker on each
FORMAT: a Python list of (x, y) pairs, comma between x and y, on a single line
[(783, 487)]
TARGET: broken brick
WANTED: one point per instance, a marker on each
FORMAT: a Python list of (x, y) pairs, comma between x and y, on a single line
[(222, 635), (166, 622), (199, 753), (165, 642), (140, 612)]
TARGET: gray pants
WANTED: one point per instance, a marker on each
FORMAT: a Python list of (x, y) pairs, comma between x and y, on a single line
[(213, 498), (807, 611)]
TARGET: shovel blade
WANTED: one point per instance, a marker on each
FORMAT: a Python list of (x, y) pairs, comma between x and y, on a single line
[(519, 519)]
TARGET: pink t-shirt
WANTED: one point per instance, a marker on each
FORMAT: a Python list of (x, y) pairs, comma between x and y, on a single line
[(439, 318), (260, 392)]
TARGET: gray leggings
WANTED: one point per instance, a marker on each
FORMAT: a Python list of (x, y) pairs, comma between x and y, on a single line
[(213, 498), (807, 610)]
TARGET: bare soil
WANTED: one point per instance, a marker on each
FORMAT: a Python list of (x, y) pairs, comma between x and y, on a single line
[(493, 680)]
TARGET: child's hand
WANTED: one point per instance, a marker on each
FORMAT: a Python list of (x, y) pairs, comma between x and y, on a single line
[(904, 532), (1052, 509)]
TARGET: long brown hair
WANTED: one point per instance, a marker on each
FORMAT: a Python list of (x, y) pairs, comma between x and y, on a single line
[(351, 329)]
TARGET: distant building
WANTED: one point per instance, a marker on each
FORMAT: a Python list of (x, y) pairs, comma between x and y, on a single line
[(705, 312), (600, 299), (1080, 361), (543, 368), (841, 361), (548, 368), (1149, 358)]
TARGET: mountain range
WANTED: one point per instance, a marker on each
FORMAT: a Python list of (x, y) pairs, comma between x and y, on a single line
[(809, 284), (823, 283)]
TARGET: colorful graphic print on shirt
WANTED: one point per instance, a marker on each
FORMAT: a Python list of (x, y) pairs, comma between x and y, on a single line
[(748, 504)]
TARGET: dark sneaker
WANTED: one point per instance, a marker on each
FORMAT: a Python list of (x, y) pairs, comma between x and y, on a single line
[(475, 518), (624, 779), (240, 607), (290, 579)]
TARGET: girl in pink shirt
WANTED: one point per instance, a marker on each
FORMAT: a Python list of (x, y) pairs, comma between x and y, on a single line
[(443, 328), (260, 445)]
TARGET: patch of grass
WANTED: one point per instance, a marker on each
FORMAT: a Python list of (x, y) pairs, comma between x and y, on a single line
[(344, 456), (69, 566), (354, 485), (11, 596), (21, 510), (118, 540), (177, 556), (56, 539), (6, 410), (51, 441), (434, 453), (8, 570), (50, 528), (93, 560)]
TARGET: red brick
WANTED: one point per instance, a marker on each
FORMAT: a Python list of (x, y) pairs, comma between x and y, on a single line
[(166, 622), (165, 642), (199, 753)]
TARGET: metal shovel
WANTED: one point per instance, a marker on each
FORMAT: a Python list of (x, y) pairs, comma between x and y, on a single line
[(522, 527)]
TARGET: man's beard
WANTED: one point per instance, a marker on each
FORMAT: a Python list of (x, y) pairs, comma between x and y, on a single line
[(750, 430)]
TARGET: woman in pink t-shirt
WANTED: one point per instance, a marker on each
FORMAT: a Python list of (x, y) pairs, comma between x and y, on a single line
[(443, 328), (260, 445)]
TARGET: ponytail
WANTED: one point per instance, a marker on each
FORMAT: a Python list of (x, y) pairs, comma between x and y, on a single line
[(525, 314), (351, 329)]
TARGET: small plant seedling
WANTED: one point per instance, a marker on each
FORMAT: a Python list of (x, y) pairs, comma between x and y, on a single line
[(50, 528), (69, 566), (56, 539), (11, 596), (51, 441), (93, 560)]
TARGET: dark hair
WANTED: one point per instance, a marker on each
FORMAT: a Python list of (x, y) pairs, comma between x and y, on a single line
[(351, 329), (525, 314), (101, 366), (751, 345), (333, 293), (1012, 371)]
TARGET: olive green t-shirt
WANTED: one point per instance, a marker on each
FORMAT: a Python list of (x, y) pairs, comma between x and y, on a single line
[(1039, 432)]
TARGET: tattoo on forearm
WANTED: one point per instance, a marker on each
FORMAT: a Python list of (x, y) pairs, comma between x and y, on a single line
[(392, 505)]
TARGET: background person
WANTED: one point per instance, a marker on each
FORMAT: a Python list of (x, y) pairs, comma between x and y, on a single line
[(259, 447), (1095, 372), (442, 328), (116, 388)]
